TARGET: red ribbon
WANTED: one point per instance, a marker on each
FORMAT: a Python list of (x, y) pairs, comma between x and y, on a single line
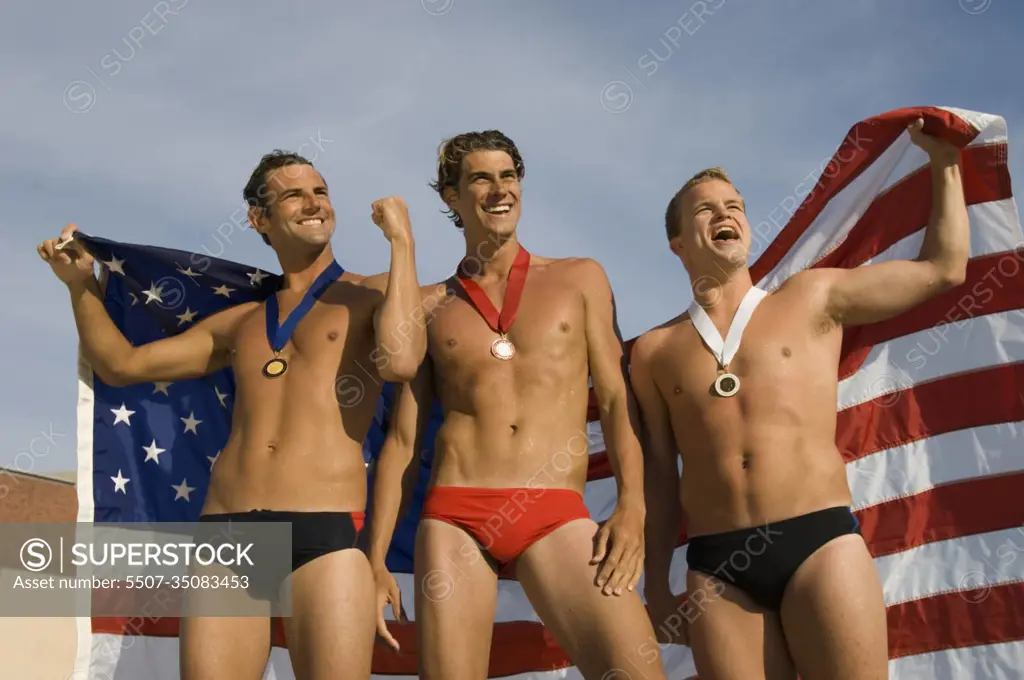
[(502, 322)]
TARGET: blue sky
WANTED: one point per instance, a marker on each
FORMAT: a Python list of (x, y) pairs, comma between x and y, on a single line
[(141, 121)]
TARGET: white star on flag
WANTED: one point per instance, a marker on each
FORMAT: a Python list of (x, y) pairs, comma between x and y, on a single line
[(220, 397), (122, 415), (161, 387), (187, 316), (224, 290), (188, 272), (153, 293), (182, 490), (115, 265), (120, 483), (256, 277), (152, 452), (191, 422)]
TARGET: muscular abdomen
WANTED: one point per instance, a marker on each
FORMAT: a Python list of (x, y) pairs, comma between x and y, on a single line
[(296, 441), (765, 454), (515, 424)]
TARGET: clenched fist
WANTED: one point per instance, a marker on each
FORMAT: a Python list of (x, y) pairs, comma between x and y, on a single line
[(936, 147), (71, 263), (391, 214)]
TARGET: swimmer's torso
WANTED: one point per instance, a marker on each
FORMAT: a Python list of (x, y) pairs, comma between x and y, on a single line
[(768, 452), (522, 422), (296, 440)]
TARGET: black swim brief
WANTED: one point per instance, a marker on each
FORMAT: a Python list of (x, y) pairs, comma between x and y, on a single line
[(761, 560), (313, 534)]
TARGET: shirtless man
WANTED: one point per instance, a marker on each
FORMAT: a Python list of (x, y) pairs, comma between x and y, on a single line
[(777, 565), (292, 449), (510, 460)]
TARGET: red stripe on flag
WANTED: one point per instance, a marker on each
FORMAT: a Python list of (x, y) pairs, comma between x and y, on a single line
[(926, 410), (980, 616), (993, 284), (861, 147), (972, 506), (599, 467), (906, 206)]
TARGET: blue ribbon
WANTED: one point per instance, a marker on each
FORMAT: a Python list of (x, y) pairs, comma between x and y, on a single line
[(278, 336)]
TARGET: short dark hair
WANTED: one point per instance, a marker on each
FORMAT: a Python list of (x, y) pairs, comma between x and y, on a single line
[(452, 151), (256, 193), (673, 215)]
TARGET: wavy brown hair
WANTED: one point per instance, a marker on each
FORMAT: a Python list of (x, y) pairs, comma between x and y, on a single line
[(452, 151)]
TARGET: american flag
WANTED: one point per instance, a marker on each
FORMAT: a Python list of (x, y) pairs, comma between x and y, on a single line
[(929, 422)]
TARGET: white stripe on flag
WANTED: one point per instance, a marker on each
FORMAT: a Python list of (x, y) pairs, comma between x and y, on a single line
[(921, 465)]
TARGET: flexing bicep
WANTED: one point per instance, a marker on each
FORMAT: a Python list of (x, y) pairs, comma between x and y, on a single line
[(200, 350), (877, 292)]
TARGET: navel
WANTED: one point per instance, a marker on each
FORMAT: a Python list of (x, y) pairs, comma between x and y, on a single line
[(678, 390), (452, 342), (786, 352), (332, 336), (564, 326)]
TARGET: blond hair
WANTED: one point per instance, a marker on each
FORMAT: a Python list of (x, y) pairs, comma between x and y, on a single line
[(673, 215)]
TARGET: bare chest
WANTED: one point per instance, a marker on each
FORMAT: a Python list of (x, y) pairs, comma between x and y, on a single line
[(777, 354), (325, 335), (548, 329)]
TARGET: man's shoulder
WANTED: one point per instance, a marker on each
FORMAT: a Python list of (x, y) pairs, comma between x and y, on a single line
[(812, 278), (577, 262), (376, 285), (583, 270), (439, 289), (808, 289), (649, 343), (228, 319)]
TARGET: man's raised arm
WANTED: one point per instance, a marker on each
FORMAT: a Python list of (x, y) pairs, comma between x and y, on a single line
[(877, 292), (399, 322), (202, 349)]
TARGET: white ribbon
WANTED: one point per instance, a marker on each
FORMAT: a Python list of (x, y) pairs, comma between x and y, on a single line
[(725, 351)]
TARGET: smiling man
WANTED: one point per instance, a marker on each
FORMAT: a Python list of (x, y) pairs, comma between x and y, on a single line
[(777, 565), (293, 454), (509, 356)]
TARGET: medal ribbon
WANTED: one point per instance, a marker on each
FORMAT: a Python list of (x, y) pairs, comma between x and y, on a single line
[(499, 323), (725, 351), (278, 336)]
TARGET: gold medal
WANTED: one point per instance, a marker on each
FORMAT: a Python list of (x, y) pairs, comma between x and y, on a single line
[(275, 367)]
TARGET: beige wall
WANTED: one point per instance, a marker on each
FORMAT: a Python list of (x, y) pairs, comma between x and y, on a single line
[(36, 648)]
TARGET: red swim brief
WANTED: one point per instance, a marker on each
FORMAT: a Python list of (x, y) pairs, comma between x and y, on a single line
[(504, 521)]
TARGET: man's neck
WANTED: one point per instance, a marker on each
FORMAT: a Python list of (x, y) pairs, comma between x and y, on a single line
[(489, 255), (720, 294), (301, 267)]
